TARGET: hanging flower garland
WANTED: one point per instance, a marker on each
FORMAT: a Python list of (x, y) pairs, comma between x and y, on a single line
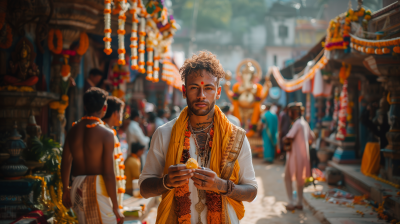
[(50, 39), (121, 31), (83, 44), (107, 27), (65, 68), (142, 35), (344, 72), (134, 37), (9, 38), (375, 46), (61, 105), (341, 131), (119, 170)]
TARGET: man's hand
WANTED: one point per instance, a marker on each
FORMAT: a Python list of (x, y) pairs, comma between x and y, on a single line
[(208, 180), (120, 217), (178, 175), (66, 198)]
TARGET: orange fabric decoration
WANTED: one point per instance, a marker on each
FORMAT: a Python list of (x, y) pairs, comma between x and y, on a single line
[(58, 34)]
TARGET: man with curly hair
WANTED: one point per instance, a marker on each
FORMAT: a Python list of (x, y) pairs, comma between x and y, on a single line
[(210, 187)]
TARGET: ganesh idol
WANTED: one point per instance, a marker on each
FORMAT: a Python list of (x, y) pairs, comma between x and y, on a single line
[(247, 94)]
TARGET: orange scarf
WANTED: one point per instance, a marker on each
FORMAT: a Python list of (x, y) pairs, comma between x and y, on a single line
[(222, 134)]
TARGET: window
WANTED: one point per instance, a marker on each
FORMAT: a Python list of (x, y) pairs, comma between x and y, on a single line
[(282, 31), (275, 60)]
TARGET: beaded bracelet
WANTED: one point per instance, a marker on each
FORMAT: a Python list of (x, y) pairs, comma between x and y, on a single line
[(230, 188)]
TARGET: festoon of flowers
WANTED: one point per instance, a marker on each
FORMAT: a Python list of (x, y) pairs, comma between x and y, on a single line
[(151, 43), (107, 27), (134, 37), (121, 31), (119, 168)]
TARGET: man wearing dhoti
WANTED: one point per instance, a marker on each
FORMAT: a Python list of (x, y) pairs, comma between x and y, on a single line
[(212, 192), (298, 158), (89, 149)]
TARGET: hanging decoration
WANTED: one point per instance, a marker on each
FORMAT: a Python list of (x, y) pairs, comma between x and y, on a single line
[(338, 33), (134, 37), (344, 72), (142, 35), (375, 46), (83, 44), (65, 68), (341, 131), (296, 84), (121, 31), (107, 27), (170, 74), (50, 41)]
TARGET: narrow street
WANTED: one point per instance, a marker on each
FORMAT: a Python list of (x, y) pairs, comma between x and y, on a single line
[(269, 206)]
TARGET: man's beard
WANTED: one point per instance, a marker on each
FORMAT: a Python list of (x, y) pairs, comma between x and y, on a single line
[(200, 112)]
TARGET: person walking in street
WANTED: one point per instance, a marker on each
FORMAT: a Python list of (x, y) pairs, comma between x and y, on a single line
[(135, 134), (89, 149), (219, 173), (133, 166), (297, 160), (174, 112), (160, 119), (269, 134), (226, 108)]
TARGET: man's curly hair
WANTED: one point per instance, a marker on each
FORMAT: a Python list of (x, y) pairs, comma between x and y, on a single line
[(203, 60)]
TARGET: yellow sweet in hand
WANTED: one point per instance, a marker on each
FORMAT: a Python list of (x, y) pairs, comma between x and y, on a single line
[(192, 164)]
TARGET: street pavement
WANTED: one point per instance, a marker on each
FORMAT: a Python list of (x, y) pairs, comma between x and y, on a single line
[(269, 206)]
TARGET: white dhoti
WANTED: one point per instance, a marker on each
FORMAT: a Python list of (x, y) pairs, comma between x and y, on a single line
[(90, 200)]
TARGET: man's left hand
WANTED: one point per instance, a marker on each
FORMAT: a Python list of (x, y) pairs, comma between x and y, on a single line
[(206, 179)]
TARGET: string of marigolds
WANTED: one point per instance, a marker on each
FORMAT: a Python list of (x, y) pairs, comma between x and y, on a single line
[(375, 46), (121, 32), (134, 37), (107, 27), (142, 36)]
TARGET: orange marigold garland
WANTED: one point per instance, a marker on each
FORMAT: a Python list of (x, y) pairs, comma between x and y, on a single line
[(119, 169), (182, 194), (50, 39), (134, 37), (9, 38), (107, 27), (99, 121), (142, 35), (121, 32), (83, 44)]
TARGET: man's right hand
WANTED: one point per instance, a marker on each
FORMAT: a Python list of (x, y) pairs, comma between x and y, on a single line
[(119, 216), (178, 175)]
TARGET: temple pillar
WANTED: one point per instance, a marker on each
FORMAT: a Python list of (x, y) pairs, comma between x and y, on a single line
[(391, 82)]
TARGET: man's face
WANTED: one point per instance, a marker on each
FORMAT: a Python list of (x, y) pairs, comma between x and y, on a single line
[(118, 117), (201, 92), (140, 152)]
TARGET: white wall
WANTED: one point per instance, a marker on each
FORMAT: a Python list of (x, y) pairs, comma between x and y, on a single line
[(282, 54), (290, 23)]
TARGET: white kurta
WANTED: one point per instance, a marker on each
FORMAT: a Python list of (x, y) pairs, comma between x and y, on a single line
[(155, 162)]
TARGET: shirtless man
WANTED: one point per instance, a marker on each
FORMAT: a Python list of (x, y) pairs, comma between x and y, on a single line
[(89, 147)]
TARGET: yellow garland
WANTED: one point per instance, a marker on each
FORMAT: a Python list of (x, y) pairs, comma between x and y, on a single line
[(383, 180), (46, 202)]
